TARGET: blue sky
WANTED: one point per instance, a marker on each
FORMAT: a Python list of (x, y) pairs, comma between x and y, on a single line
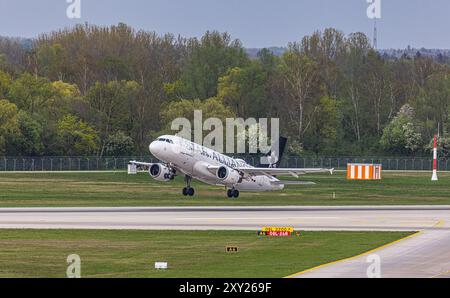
[(258, 23)]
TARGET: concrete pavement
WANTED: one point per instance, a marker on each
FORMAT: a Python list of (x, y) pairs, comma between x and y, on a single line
[(426, 254)]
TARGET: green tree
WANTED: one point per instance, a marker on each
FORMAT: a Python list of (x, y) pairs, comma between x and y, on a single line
[(211, 107), (8, 122), (119, 144), (31, 93), (29, 139), (433, 103), (5, 82), (243, 89), (443, 147), (328, 50), (324, 135), (110, 105), (184, 108), (211, 58), (51, 58), (250, 91), (301, 80), (401, 136), (77, 137), (64, 96), (352, 94)]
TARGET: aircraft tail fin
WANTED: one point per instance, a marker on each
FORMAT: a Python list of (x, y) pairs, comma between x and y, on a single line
[(275, 155)]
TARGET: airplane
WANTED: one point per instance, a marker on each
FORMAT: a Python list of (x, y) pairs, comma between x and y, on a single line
[(194, 161)]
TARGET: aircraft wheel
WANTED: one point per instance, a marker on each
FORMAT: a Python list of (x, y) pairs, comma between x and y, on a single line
[(230, 193), (185, 191), (236, 193), (191, 192)]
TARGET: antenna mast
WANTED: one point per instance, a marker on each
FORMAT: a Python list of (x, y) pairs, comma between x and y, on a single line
[(375, 35)]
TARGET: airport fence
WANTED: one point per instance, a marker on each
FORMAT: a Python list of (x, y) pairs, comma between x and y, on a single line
[(18, 164)]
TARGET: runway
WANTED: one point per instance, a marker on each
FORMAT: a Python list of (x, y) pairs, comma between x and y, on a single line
[(425, 255), (379, 218)]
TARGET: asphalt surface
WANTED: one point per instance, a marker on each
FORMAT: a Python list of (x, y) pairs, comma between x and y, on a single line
[(426, 254)]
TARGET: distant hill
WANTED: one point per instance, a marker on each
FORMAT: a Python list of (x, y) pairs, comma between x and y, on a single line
[(277, 51), (441, 55), (25, 43)]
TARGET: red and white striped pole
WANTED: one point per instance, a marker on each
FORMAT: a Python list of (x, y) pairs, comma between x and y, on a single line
[(435, 176)]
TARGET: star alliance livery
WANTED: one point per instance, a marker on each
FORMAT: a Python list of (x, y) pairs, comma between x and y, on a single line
[(181, 156)]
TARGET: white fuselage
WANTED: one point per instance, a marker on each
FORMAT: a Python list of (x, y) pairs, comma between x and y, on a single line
[(193, 160)]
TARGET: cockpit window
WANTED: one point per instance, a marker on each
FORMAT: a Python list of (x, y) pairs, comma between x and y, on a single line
[(165, 140)]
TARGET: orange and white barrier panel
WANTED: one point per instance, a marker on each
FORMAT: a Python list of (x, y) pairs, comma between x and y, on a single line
[(356, 171)]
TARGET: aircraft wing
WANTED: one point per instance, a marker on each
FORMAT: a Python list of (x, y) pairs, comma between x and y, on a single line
[(138, 163), (282, 171)]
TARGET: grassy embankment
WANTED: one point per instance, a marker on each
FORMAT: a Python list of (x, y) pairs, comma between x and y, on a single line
[(120, 189)]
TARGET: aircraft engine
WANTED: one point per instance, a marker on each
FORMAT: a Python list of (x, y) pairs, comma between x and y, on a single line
[(160, 172), (228, 175)]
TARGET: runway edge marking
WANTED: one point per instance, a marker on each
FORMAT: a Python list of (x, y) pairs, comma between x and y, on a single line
[(439, 224), (355, 257), (441, 274)]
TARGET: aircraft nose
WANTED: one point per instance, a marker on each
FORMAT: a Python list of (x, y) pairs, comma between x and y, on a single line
[(155, 148)]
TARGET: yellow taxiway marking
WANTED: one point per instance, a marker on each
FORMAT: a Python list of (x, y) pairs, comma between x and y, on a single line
[(355, 257), (441, 274), (440, 223)]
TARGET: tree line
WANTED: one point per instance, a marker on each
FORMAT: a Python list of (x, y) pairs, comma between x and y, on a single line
[(92, 90)]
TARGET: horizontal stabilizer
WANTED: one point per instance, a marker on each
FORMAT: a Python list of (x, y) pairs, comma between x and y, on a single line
[(282, 171), (293, 183)]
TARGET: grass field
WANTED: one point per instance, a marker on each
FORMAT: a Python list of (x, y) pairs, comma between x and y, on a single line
[(40, 253), (120, 189)]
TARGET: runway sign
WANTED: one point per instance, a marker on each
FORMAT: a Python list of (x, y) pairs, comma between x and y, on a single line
[(357, 171), (132, 170), (232, 249), (161, 265), (276, 231)]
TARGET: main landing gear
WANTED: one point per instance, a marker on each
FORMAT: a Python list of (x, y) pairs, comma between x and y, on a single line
[(188, 190), (233, 193)]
